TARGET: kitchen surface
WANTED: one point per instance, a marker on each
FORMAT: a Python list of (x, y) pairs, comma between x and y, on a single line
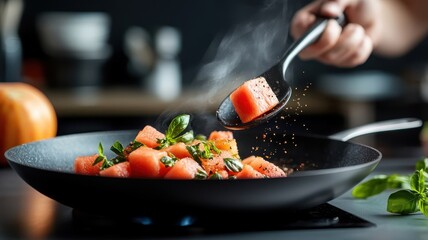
[(118, 66)]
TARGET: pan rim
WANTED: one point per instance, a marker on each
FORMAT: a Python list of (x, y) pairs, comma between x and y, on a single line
[(9, 157), (233, 195)]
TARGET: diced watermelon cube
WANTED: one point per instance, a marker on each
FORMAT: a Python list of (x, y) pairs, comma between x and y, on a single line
[(253, 98), (84, 165), (122, 169), (145, 163), (149, 136)]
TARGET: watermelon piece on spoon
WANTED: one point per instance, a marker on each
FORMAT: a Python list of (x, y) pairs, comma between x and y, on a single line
[(253, 99)]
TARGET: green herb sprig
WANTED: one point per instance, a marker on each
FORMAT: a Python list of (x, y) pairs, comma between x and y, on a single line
[(174, 133), (207, 152), (201, 174), (233, 164), (121, 154), (411, 195), (169, 161), (106, 163)]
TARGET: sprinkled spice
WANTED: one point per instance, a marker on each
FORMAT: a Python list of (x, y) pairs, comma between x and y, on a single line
[(273, 144)]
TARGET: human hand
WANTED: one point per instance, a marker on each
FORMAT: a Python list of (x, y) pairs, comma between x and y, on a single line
[(347, 47)]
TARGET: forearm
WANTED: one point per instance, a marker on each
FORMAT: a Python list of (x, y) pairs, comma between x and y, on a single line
[(404, 23)]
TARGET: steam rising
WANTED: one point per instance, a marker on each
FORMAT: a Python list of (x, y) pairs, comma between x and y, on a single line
[(247, 50)]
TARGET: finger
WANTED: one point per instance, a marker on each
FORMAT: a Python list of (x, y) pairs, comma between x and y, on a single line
[(300, 23), (304, 18), (326, 41), (331, 9), (361, 55), (351, 38), (358, 57)]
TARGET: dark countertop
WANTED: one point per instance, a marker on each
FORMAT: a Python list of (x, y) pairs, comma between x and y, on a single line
[(27, 214)]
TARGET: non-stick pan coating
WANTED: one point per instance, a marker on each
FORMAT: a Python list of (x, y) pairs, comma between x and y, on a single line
[(328, 169)]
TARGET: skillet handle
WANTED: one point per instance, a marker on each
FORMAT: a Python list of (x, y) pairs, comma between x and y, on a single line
[(382, 126)]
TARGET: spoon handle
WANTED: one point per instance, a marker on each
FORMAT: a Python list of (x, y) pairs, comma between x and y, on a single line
[(308, 38)]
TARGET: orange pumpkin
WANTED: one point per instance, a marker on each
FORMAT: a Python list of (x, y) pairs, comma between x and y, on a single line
[(26, 115)]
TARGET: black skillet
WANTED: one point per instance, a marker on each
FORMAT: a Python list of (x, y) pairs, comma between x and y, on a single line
[(326, 167)]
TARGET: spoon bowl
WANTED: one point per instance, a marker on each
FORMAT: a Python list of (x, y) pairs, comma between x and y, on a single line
[(275, 77), (229, 118)]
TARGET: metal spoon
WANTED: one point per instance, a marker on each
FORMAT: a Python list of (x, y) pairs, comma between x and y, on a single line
[(275, 77)]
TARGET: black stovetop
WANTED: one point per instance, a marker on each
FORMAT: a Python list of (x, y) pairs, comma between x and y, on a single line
[(324, 216)]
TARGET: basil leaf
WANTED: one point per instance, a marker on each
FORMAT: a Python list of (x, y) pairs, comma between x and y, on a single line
[(423, 206), (177, 126), (233, 165), (98, 159), (117, 148), (403, 202), (163, 143), (417, 181), (101, 157), (216, 176), (100, 149), (206, 154), (187, 137), (134, 145), (106, 164), (422, 164), (395, 181), (213, 147), (201, 175), (201, 137), (371, 187), (168, 161), (193, 150)]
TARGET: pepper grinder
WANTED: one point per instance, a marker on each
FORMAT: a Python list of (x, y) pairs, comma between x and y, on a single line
[(165, 80)]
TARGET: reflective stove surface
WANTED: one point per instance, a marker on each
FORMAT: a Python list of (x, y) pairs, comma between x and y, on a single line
[(320, 217)]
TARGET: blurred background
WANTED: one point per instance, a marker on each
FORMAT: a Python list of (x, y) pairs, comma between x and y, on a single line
[(111, 65)]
